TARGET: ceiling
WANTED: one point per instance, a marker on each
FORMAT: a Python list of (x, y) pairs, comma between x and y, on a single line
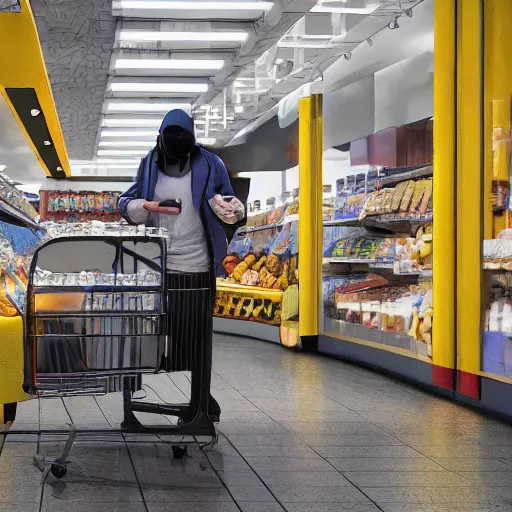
[(117, 66)]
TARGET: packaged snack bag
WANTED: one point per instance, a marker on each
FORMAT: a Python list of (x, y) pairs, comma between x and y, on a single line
[(407, 197)]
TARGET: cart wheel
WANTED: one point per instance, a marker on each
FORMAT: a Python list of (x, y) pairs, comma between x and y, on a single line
[(58, 471), (179, 452)]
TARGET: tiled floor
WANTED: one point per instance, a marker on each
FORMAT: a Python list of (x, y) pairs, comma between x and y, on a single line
[(299, 433)]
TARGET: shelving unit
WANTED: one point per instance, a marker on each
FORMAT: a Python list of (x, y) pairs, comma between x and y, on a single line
[(395, 312)]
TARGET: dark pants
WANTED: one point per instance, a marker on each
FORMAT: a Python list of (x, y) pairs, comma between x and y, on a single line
[(190, 327)]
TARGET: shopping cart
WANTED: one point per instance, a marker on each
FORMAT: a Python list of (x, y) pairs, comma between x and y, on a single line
[(96, 321)]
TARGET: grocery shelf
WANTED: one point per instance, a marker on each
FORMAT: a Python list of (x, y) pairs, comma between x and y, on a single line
[(380, 220), (9, 213)]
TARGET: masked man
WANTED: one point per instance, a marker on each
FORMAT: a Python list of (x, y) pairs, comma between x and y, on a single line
[(186, 189)]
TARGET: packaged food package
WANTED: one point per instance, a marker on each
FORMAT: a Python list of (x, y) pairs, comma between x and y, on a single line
[(228, 209), (417, 196), (250, 278), (361, 283), (384, 312), (407, 197), (506, 234), (230, 262), (241, 246), (387, 201), (289, 334), (274, 265), (244, 265), (282, 241), (398, 194), (290, 304), (496, 249), (427, 196)]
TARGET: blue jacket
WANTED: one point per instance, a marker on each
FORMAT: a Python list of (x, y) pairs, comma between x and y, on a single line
[(209, 177)]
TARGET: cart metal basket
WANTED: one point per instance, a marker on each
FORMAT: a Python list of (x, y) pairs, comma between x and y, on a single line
[(96, 321)]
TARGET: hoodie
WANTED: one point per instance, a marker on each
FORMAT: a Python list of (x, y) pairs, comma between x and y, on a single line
[(209, 177)]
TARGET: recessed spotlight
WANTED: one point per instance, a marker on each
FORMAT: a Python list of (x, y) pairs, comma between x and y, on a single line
[(59, 168), (47, 143), (34, 112), (347, 55), (393, 25)]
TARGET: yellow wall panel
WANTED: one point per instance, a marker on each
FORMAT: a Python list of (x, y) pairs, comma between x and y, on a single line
[(469, 186), (22, 66)]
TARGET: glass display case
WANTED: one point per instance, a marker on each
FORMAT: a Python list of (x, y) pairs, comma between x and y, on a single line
[(261, 283)]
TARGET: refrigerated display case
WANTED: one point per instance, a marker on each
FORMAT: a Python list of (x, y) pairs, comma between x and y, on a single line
[(377, 260)]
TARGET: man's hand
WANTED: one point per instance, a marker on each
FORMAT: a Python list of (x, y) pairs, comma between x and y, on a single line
[(153, 207)]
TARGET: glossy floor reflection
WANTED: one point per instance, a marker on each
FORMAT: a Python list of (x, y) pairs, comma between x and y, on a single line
[(298, 433)]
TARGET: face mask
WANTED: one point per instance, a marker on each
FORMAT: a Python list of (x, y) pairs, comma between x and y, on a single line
[(177, 143)]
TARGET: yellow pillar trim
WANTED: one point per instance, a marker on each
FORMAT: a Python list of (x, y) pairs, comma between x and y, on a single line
[(443, 336), (469, 185), (310, 213), (22, 66)]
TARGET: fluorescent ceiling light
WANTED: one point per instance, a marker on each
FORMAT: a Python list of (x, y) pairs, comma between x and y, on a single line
[(116, 161), (128, 143), (178, 64), (180, 5), (154, 35), (134, 133), (346, 10), (146, 107), (121, 152), (157, 87), (206, 141), (105, 166), (112, 122)]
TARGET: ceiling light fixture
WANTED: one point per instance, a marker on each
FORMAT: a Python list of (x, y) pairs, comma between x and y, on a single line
[(333, 7), (158, 87), (135, 133), (117, 161), (212, 37), (113, 122), (206, 141), (121, 152), (146, 107), (34, 112), (393, 25), (127, 143), (180, 5), (95, 165), (176, 64)]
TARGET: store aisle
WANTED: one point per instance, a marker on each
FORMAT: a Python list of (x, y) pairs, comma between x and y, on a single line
[(298, 433)]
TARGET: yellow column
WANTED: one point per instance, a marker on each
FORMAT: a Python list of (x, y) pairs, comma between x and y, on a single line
[(310, 217), (469, 194), (443, 336)]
